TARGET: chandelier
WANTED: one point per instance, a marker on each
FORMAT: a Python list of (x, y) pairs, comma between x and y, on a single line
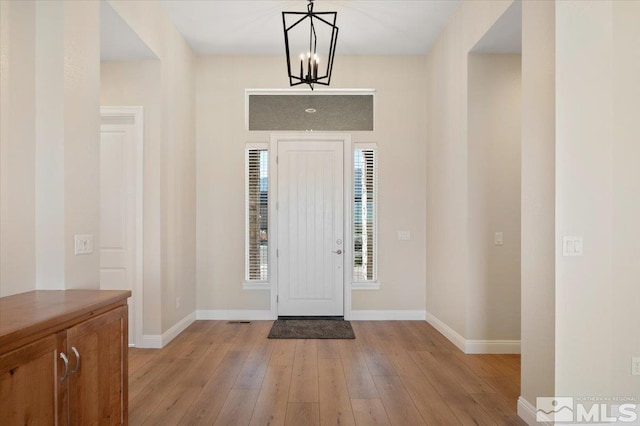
[(310, 44)]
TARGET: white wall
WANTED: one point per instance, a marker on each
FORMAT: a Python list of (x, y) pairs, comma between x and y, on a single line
[(598, 196), (177, 157), (400, 134), (45, 203), (538, 200), (447, 215), (494, 134), (136, 83)]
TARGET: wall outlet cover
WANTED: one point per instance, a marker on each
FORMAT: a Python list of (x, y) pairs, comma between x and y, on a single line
[(404, 235), (83, 244), (572, 246), (635, 366)]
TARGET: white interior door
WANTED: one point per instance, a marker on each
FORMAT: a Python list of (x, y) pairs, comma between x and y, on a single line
[(310, 228), (118, 211)]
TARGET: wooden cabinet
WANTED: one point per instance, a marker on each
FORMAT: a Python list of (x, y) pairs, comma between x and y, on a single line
[(63, 358), (30, 391), (96, 378)]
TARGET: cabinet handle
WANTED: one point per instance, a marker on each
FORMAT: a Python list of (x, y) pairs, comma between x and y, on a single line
[(66, 366), (75, 352)]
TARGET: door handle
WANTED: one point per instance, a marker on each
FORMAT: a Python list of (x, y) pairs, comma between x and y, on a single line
[(75, 352), (66, 366), (337, 251)]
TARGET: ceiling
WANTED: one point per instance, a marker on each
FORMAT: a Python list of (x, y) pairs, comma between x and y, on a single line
[(254, 27), (505, 36), (118, 42)]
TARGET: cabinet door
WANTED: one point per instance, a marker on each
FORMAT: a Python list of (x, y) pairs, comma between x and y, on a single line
[(33, 383), (98, 376)]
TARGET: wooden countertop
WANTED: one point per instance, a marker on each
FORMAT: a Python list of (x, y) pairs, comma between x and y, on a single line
[(28, 316)]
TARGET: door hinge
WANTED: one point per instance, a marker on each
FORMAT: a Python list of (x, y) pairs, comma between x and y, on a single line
[(277, 299), (277, 252), (276, 159)]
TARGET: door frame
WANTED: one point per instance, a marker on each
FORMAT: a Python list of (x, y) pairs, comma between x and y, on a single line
[(137, 114), (347, 145)]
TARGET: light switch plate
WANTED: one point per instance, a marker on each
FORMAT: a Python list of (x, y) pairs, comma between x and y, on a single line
[(83, 244), (572, 246), (404, 235), (635, 366), (498, 238)]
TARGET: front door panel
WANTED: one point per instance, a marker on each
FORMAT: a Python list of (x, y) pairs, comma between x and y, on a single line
[(310, 228)]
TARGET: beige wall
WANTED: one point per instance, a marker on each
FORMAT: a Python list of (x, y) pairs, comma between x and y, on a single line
[(626, 197), (17, 147), (494, 133), (45, 203), (177, 156), (50, 141), (598, 197), (400, 134), (538, 200), (81, 138), (447, 161), (136, 83)]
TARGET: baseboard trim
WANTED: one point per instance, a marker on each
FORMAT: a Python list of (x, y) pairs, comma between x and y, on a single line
[(473, 346), (447, 331), (220, 314), (178, 328), (492, 347), (259, 315), (387, 315), (155, 341), (151, 341), (527, 412)]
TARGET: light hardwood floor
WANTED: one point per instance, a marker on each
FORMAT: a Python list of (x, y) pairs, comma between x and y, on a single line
[(400, 373)]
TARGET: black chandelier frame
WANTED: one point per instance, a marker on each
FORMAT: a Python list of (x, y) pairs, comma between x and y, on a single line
[(311, 75)]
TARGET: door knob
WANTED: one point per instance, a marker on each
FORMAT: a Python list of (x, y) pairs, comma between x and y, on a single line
[(338, 251)]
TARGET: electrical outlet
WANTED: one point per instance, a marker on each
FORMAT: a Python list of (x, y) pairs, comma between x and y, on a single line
[(83, 244), (572, 246), (498, 238), (404, 235), (177, 303), (635, 366)]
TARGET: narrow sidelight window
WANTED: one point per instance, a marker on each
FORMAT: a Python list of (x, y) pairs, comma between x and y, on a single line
[(257, 214), (365, 200)]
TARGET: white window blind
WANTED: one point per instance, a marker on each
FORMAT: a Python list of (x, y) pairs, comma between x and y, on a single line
[(257, 214), (365, 200)]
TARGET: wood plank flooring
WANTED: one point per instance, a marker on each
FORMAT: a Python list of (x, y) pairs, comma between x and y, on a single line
[(394, 373)]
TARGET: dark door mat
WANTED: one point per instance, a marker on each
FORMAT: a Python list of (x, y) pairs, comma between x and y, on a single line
[(306, 317), (311, 329)]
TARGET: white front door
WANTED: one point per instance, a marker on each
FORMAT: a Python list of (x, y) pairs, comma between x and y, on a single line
[(118, 211), (310, 228)]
